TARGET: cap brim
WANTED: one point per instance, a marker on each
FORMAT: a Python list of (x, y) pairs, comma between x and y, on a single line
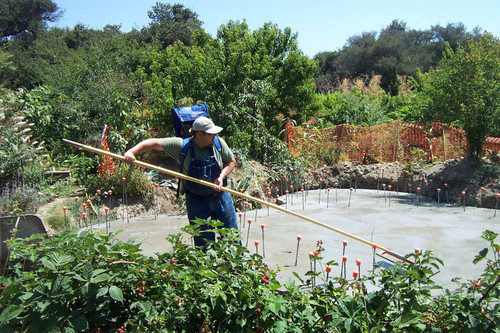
[(214, 130)]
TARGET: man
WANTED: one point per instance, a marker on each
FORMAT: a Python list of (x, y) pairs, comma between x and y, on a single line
[(203, 160)]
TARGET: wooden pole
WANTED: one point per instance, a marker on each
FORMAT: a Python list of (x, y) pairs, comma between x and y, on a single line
[(228, 190)]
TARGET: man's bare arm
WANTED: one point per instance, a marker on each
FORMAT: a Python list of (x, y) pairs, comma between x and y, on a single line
[(146, 145)]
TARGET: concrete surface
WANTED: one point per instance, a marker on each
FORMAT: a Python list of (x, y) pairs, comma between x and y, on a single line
[(400, 222)]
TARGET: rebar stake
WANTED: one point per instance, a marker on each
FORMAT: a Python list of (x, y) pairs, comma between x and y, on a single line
[(262, 226), (343, 268), (106, 209), (358, 263), (439, 195), (344, 259), (65, 219), (350, 177), (303, 199), (248, 231), (109, 195), (418, 196), (245, 213), (397, 182), (97, 194), (389, 187), (319, 191), (297, 253), (482, 197), (446, 190), (496, 204), (328, 269)]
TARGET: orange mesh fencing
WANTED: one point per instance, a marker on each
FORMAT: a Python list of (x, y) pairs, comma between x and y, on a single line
[(389, 142)]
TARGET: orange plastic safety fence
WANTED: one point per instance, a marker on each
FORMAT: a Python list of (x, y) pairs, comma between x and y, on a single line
[(391, 142)]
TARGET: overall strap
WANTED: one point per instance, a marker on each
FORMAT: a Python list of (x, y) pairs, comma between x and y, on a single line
[(185, 148)]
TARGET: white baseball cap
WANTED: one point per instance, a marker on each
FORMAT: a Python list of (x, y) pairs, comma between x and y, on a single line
[(204, 124)]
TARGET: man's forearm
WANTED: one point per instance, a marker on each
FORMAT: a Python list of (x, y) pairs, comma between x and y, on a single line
[(228, 167)]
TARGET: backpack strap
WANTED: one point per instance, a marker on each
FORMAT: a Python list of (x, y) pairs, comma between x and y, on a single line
[(184, 150), (218, 145)]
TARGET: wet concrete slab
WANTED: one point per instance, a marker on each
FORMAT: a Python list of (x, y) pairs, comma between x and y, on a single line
[(400, 222)]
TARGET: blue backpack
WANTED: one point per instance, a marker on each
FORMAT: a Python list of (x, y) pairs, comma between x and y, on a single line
[(185, 116), (183, 121)]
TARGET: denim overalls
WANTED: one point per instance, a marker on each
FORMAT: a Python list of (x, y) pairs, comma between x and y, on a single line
[(204, 202)]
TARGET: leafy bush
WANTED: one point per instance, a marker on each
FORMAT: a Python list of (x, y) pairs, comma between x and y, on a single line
[(125, 177), (90, 282)]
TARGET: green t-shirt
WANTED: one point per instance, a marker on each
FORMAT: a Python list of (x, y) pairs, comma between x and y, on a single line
[(173, 147)]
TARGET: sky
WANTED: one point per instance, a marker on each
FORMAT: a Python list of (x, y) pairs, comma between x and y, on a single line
[(321, 25)]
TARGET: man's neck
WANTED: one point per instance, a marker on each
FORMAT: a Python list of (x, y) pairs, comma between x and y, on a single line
[(197, 142)]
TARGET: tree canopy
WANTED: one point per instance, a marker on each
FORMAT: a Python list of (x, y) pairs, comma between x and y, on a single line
[(465, 88), (396, 50), (71, 82), (170, 23), (25, 17)]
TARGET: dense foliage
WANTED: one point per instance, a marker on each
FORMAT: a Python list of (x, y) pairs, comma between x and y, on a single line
[(396, 50), (72, 82), (25, 18), (92, 283), (475, 69)]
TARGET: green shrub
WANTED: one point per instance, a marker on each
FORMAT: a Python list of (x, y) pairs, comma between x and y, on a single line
[(136, 183), (90, 282)]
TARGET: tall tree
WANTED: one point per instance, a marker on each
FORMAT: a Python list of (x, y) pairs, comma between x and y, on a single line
[(395, 51), (170, 23), (251, 81), (465, 88), (25, 17)]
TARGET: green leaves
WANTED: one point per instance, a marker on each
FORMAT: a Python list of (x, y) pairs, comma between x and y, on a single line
[(89, 281), (465, 88), (10, 312), (116, 293)]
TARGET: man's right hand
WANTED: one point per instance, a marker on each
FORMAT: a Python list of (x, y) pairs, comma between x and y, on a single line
[(129, 157)]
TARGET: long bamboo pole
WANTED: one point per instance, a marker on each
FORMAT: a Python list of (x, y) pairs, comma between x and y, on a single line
[(236, 193)]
